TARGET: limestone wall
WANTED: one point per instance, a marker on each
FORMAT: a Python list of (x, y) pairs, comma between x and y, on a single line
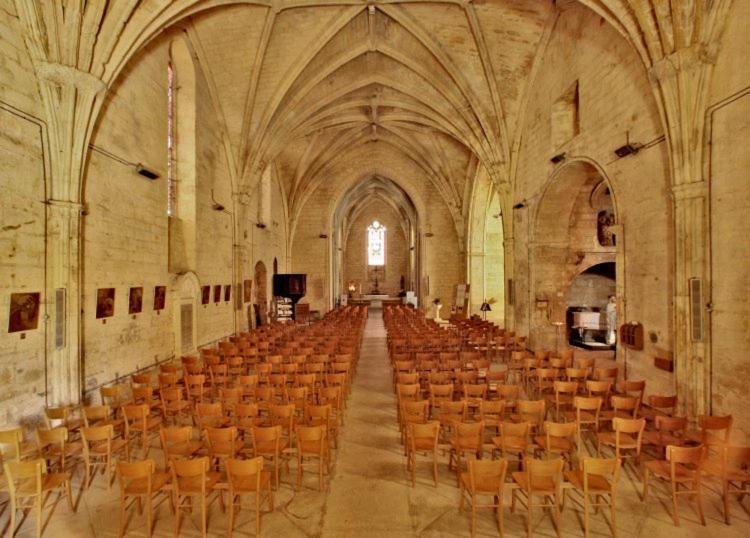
[(615, 102)]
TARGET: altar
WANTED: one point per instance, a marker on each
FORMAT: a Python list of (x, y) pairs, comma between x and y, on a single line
[(374, 300)]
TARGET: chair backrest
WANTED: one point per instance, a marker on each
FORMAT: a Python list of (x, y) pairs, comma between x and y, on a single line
[(267, 434), (486, 472), (681, 458), (509, 392), (469, 433), (53, 436), (598, 388), (208, 409), (631, 427), (189, 469), (671, 425), (92, 413), (532, 408), (135, 415), (240, 471), (21, 474), (491, 408), (565, 387), (663, 402), (564, 430), (140, 471), (427, 430), (97, 434), (10, 444), (708, 423), (607, 468), (628, 404), (542, 471), (311, 438), (174, 434)]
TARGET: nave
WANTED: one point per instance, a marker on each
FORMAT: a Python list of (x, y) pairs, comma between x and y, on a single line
[(369, 492)]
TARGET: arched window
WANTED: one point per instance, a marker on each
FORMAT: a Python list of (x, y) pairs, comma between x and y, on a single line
[(376, 244)]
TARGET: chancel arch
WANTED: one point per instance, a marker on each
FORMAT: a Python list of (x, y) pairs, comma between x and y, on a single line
[(382, 200)]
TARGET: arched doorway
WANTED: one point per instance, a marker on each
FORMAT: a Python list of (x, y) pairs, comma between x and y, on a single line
[(261, 294), (574, 230)]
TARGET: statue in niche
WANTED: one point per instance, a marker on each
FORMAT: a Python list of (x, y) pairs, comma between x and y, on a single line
[(611, 313), (604, 222)]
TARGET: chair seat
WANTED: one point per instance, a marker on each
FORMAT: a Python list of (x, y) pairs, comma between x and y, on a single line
[(70, 449), (661, 439), (424, 443), (50, 481), (540, 484), (268, 448), (557, 444), (626, 440), (187, 448), (511, 442), (192, 484), (661, 469), (140, 485), (597, 483), (248, 484), (482, 485), (101, 448)]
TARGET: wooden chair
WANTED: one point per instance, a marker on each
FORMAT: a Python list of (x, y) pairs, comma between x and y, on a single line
[(195, 386), (622, 407), (53, 447), (558, 439), (485, 478), (55, 417), (733, 471), (138, 423), (564, 392), (269, 443), (312, 443), (450, 414), (682, 469), (627, 436), (190, 479), (668, 431), (491, 413), (597, 478), (422, 438), (541, 478), (209, 415), (439, 394), (177, 442), (247, 477), (113, 396), (29, 485), (99, 446), (222, 444), (585, 413), (172, 404), (468, 439), (322, 415), (658, 405), (531, 411), (413, 412), (140, 481), (513, 440), (712, 430), (13, 447), (510, 394), (145, 395)]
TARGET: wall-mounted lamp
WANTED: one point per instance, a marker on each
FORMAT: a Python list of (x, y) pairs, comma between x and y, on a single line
[(429, 234), (260, 225), (146, 172), (520, 205), (560, 157), (323, 236), (216, 206), (628, 149)]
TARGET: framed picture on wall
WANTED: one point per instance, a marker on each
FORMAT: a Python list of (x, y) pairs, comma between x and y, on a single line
[(160, 297), (24, 312), (227, 292), (205, 294), (135, 301), (217, 293), (105, 303), (247, 291)]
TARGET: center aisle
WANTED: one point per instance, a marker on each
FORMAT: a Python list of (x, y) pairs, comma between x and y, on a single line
[(369, 494)]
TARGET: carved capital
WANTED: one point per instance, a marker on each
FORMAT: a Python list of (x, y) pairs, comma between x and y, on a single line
[(66, 75), (694, 57)]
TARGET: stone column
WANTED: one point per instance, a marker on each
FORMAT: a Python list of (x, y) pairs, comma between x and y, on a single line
[(691, 357), (63, 272)]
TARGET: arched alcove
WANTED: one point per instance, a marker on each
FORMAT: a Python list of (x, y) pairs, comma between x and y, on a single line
[(388, 199), (574, 229), (186, 293)]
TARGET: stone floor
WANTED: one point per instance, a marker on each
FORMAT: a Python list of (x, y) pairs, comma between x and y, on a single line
[(369, 494)]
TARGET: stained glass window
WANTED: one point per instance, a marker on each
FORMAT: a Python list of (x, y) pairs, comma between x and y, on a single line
[(376, 244)]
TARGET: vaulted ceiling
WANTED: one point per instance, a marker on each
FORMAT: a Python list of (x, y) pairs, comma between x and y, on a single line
[(325, 90)]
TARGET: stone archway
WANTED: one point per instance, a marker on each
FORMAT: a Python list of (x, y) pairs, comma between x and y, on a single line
[(261, 293), (567, 238)]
